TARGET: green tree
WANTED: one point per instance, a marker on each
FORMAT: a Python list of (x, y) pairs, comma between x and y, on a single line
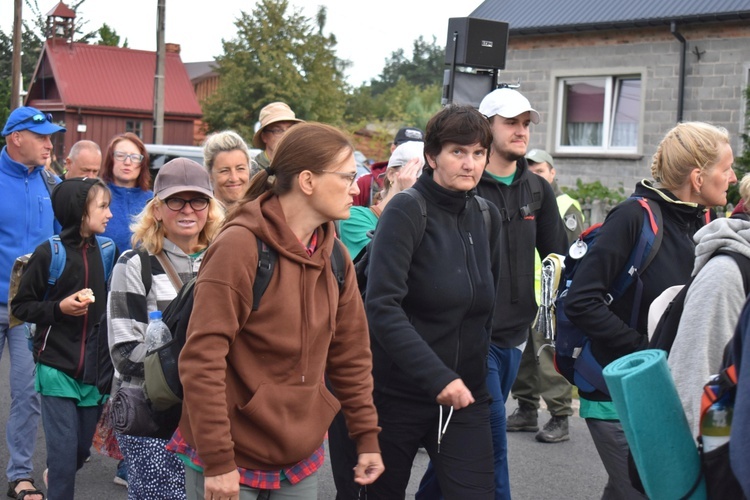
[(31, 46), (109, 37), (425, 68), (407, 91), (277, 55)]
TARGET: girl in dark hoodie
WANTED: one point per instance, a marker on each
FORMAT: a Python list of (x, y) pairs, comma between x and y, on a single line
[(65, 314)]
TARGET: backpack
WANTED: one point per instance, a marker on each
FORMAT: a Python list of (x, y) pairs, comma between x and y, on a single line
[(573, 357), (56, 267), (163, 387), (666, 329), (715, 464), (362, 260), (98, 369)]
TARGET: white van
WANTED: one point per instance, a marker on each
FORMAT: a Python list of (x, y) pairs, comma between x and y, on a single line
[(159, 154)]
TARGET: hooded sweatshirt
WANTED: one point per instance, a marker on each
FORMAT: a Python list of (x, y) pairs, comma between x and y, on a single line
[(61, 339), (253, 380), (713, 304), (607, 326)]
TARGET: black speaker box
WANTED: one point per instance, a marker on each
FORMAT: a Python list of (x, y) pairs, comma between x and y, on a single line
[(481, 43)]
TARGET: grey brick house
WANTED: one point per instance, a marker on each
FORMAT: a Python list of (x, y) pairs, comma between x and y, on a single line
[(611, 77)]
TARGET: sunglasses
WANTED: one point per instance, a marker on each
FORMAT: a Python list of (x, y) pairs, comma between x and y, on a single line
[(37, 118)]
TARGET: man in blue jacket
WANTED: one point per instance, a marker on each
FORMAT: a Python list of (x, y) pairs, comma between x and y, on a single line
[(26, 220)]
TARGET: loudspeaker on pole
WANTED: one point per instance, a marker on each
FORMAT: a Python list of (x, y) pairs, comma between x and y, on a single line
[(480, 43)]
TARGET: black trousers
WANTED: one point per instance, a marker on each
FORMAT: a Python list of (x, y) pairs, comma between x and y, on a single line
[(463, 460)]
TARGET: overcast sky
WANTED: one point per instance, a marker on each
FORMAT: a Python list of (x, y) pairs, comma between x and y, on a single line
[(367, 31)]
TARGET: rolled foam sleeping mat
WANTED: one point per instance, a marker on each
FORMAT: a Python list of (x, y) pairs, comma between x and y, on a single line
[(655, 425)]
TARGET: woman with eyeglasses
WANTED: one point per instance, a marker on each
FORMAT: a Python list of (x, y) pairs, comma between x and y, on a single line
[(256, 409), (125, 170), (171, 235)]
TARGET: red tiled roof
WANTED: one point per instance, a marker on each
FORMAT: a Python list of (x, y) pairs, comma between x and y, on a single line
[(114, 78)]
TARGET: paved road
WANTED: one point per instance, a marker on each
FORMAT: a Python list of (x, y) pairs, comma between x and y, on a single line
[(568, 470)]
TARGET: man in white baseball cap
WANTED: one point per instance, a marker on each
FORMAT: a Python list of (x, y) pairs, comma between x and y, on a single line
[(530, 221)]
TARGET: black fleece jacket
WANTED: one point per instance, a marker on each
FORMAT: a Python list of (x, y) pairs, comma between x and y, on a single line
[(530, 219), (611, 337), (61, 339), (430, 306)]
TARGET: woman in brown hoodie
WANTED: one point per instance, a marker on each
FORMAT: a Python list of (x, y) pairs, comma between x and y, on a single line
[(255, 408)]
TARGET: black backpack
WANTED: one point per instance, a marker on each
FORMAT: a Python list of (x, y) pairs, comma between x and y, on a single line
[(666, 330), (362, 260), (163, 387), (98, 369)]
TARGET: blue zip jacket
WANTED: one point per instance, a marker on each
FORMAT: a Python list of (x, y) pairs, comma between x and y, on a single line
[(26, 217), (126, 204)]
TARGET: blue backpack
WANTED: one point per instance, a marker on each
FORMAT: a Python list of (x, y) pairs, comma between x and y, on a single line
[(56, 266), (573, 357), (107, 250)]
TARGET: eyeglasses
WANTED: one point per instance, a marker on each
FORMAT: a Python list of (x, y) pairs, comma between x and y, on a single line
[(122, 156), (177, 204), (350, 177), (37, 118)]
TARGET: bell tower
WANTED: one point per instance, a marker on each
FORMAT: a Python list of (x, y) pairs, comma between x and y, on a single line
[(60, 24)]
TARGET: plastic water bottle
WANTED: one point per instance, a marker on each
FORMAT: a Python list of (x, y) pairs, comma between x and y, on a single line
[(157, 332), (716, 424)]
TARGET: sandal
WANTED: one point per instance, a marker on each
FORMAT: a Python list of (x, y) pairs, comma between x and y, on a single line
[(21, 495)]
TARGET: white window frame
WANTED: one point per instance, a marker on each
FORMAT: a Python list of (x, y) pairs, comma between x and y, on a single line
[(611, 79)]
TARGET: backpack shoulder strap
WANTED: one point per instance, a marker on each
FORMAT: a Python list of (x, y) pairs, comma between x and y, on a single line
[(145, 268), (170, 270), (267, 257), (484, 207), (57, 264), (337, 263), (537, 191), (743, 262), (422, 222), (107, 250), (652, 218), (49, 180)]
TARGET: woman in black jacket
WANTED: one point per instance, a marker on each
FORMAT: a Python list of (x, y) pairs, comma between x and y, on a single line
[(429, 301), (65, 314), (692, 170)]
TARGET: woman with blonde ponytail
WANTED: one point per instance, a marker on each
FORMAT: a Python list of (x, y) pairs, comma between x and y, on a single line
[(692, 170)]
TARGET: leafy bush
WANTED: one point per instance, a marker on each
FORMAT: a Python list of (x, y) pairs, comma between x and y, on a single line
[(594, 191)]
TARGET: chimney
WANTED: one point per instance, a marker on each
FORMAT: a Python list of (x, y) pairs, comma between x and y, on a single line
[(172, 48)]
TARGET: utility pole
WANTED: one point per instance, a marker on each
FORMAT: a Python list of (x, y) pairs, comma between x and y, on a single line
[(161, 54), (15, 86)]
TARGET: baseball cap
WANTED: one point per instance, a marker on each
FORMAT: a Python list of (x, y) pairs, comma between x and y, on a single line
[(507, 103), (405, 152), (181, 175), (28, 118), (540, 156), (273, 113), (408, 134)]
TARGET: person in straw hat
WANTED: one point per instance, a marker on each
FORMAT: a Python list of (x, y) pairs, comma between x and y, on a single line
[(275, 119)]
